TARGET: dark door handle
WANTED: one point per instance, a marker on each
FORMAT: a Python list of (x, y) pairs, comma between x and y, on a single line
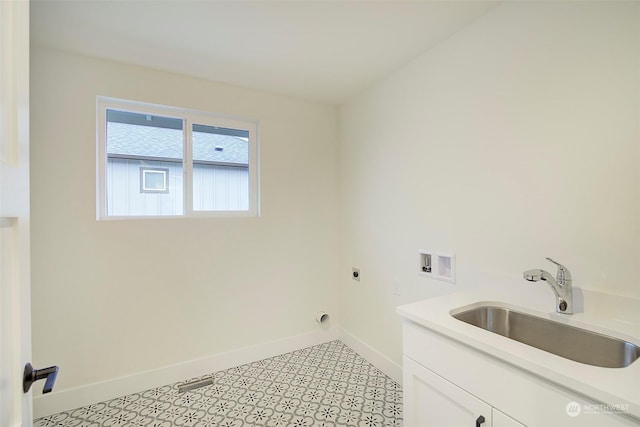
[(480, 421), (32, 375)]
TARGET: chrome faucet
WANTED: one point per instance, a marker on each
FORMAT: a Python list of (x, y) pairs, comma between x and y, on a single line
[(561, 285)]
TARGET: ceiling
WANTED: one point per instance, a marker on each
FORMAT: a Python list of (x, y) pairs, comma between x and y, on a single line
[(319, 50)]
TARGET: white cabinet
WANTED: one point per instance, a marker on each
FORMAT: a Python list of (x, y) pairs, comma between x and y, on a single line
[(502, 420), (447, 383), (432, 401)]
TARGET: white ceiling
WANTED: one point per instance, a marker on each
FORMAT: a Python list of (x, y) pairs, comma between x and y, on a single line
[(320, 50)]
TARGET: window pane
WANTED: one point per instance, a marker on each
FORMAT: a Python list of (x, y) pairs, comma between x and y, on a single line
[(144, 164), (154, 180), (220, 169)]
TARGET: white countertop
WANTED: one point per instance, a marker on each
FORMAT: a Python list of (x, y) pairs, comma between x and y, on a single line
[(604, 313)]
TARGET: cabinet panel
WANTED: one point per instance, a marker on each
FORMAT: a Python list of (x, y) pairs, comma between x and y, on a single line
[(502, 420), (430, 400)]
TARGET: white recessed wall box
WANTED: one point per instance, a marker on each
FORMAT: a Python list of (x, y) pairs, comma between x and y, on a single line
[(437, 265)]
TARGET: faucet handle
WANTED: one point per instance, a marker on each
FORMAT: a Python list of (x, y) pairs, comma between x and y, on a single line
[(554, 262), (563, 275)]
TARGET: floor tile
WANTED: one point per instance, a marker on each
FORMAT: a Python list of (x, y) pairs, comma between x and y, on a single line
[(324, 385)]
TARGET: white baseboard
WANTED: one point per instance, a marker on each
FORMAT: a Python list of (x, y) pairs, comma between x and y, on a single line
[(65, 400), (373, 356)]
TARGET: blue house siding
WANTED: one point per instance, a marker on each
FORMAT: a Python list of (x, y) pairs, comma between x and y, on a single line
[(215, 188), (124, 197), (220, 188)]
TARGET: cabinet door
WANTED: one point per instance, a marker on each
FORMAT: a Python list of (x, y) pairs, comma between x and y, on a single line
[(502, 420), (430, 400)]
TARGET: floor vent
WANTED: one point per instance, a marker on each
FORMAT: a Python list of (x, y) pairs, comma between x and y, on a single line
[(194, 385)]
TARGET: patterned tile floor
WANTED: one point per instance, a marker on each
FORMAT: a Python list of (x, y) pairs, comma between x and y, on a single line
[(324, 385)]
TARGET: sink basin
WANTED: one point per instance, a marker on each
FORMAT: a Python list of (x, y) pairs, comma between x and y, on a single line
[(572, 343)]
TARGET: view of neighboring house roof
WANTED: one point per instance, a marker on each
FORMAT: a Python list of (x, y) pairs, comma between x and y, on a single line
[(130, 140)]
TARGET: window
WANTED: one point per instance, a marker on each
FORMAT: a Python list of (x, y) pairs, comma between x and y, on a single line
[(158, 161), (153, 180)]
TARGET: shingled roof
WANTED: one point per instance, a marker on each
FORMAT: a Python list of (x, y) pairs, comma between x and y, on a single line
[(130, 140)]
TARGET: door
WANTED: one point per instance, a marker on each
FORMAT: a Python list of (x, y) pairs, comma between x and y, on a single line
[(431, 401), (15, 324)]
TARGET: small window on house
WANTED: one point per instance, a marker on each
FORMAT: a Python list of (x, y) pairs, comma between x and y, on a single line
[(164, 161), (153, 180)]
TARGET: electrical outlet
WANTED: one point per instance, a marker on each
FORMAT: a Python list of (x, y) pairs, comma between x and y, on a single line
[(395, 287)]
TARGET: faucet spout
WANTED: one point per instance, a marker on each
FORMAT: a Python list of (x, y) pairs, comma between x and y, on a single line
[(562, 287)]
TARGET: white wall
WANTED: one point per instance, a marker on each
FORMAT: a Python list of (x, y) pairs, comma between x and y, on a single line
[(114, 298), (515, 139)]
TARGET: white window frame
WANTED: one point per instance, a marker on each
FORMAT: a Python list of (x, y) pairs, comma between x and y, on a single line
[(189, 117), (143, 179)]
